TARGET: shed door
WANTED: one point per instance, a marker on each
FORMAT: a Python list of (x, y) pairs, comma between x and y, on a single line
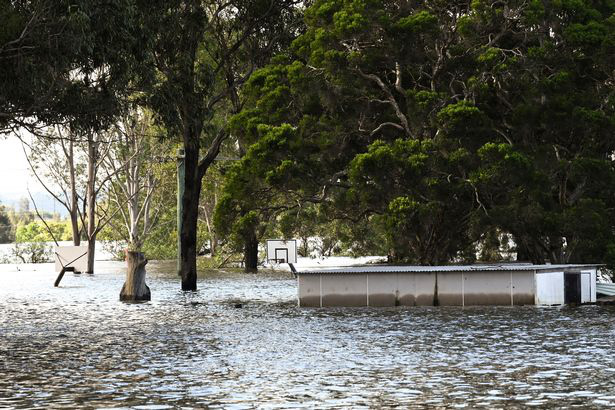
[(586, 287), (549, 288), (572, 288)]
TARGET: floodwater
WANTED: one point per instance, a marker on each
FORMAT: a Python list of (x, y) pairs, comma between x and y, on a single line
[(78, 346)]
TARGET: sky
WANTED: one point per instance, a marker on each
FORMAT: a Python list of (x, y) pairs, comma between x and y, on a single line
[(15, 175)]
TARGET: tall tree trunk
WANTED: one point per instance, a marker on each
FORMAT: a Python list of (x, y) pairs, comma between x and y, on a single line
[(91, 202), (190, 213), (250, 253), (213, 244), (74, 204), (91, 254)]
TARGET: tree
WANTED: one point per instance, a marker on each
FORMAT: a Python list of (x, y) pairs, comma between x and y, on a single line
[(550, 181), (58, 163), (70, 168), (200, 65), (130, 165), (7, 234), (66, 62), (440, 122), (362, 89)]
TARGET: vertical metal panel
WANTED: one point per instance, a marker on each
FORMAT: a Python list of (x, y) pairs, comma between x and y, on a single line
[(512, 300), (406, 289), (424, 285), (320, 291), (485, 288), (463, 287), (383, 289), (367, 288), (449, 289), (523, 288), (550, 288), (586, 283), (344, 290), (593, 285), (309, 290)]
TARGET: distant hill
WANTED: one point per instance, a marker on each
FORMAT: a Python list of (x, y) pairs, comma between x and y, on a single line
[(44, 201)]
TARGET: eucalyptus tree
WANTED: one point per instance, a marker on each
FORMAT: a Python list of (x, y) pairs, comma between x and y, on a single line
[(549, 82), (131, 165), (71, 168), (203, 51), (59, 166), (367, 120), (66, 62), (439, 121)]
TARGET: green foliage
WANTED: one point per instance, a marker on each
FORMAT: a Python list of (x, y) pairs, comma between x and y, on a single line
[(447, 128), (420, 22), (37, 232), (6, 227), (44, 43), (29, 252)]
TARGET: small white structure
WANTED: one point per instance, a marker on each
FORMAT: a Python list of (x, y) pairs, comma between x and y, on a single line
[(507, 284), (282, 251), (75, 257)]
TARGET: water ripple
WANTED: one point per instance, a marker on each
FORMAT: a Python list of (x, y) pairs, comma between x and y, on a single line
[(78, 346)]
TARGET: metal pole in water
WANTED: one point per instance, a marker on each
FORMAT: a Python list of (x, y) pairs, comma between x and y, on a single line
[(181, 184)]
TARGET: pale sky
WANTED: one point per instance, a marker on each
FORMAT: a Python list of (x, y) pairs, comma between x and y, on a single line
[(15, 175)]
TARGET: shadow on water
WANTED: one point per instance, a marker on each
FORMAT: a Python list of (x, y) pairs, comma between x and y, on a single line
[(78, 346)]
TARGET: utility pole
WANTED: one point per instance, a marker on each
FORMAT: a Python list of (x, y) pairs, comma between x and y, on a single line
[(181, 172)]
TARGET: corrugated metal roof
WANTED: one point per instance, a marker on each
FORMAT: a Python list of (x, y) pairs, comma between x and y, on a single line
[(446, 268)]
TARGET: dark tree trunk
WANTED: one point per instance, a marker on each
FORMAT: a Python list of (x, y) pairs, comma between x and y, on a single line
[(250, 253), (134, 288), (190, 212), (74, 200), (91, 252), (91, 201)]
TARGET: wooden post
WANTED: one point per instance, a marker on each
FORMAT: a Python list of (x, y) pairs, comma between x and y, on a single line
[(134, 288), (60, 276)]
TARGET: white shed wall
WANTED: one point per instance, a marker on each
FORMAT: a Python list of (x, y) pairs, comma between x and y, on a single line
[(588, 286), (550, 288)]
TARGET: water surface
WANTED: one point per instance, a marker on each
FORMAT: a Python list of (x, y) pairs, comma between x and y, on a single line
[(78, 346)]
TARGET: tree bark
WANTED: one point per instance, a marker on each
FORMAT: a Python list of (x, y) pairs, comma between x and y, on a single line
[(134, 288), (74, 204), (91, 201), (91, 254), (213, 245), (251, 254), (190, 213)]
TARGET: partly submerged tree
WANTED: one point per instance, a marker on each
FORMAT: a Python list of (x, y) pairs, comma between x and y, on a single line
[(547, 82), (202, 51), (130, 163), (58, 163), (441, 121)]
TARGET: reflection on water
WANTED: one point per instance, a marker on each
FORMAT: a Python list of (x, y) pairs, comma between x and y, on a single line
[(77, 345)]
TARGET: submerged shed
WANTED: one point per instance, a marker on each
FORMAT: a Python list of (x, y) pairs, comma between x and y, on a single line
[(507, 284)]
